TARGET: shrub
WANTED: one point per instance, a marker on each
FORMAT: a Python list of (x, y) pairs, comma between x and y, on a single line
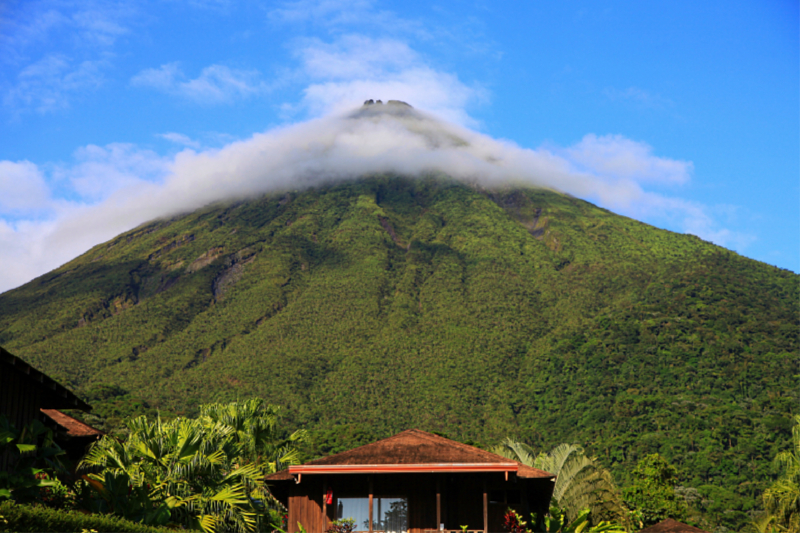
[(343, 525), (29, 518)]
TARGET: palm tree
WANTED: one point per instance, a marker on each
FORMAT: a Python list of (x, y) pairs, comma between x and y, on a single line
[(581, 483), (763, 523), (207, 472), (782, 498), (256, 427)]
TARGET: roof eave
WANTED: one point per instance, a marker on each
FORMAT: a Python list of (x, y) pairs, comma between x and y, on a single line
[(403, 468)]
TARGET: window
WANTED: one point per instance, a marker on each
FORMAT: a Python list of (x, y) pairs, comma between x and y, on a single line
[(389, 514)]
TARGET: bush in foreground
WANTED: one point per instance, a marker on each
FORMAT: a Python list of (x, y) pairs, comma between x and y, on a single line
[(29, 518)]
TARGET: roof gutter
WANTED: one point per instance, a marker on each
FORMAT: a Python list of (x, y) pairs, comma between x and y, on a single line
[(422, 468)]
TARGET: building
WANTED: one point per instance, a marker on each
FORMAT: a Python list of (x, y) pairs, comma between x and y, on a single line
[(25, 392), (413, 482), (72, 435)]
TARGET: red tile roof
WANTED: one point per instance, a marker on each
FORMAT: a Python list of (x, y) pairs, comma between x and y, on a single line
[(413, 451), (671, 526), (74, 427)]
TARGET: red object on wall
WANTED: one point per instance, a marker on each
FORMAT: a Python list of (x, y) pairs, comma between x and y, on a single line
[(329, 497)]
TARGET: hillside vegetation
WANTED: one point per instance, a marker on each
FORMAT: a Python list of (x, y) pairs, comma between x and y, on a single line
[(368, 307)]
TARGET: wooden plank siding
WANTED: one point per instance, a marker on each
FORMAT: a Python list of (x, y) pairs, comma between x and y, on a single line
[(20, 403), (461, 498), (25, 390)]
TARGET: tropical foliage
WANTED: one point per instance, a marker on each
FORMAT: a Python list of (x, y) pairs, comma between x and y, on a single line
[(202, 473), (582, 484), (256, 432), (33, 458), (492, 312), (342, 525), (782, 497), (556, 521), (513, 522)]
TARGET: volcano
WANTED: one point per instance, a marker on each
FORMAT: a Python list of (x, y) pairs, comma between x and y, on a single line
[(451, 302)]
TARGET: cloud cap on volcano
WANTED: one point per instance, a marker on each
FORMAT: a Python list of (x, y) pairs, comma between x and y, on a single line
[(387, 138)]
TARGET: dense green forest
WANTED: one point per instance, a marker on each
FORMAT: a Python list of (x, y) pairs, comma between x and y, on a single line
[(367, 307)]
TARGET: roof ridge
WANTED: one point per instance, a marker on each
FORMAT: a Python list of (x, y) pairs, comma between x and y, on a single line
[(461, 445), (432, 438)]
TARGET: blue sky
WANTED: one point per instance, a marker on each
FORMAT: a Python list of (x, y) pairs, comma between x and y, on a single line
[(684, 115)]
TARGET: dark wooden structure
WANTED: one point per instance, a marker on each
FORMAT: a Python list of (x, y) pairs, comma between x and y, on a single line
[(71, 434), (413, 482), (671, 526), (24, 391)]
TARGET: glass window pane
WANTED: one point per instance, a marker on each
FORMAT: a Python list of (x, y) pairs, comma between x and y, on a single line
[(355, 508), (390, 514)]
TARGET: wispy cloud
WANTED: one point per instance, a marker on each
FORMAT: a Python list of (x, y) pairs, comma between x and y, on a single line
[(180, 139), (216, 84), (50, 83), (51, 213), (617, 156), (695, 218), (99, 171), (26, 29), (101, 24), (329, 11), (36, 78), (350, 14)]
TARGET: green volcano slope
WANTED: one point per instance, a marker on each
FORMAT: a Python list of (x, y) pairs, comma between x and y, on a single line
[(391, 303)]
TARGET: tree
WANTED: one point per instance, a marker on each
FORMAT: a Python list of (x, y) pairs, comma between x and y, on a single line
[(581, 482), (256, 426), (782, 498), (653, 491), (202, 473)]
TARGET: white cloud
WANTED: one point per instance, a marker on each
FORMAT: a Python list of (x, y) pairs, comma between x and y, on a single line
[(181, 139), (110, 189), (355, 68), (356, 56), (215, 84), (100, 171), (614, 155), (122, 186), (22, 187), (47, 218)]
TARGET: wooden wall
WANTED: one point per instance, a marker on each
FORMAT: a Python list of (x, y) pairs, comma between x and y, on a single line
[(305, 505), (461, 498), (20, 401)]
